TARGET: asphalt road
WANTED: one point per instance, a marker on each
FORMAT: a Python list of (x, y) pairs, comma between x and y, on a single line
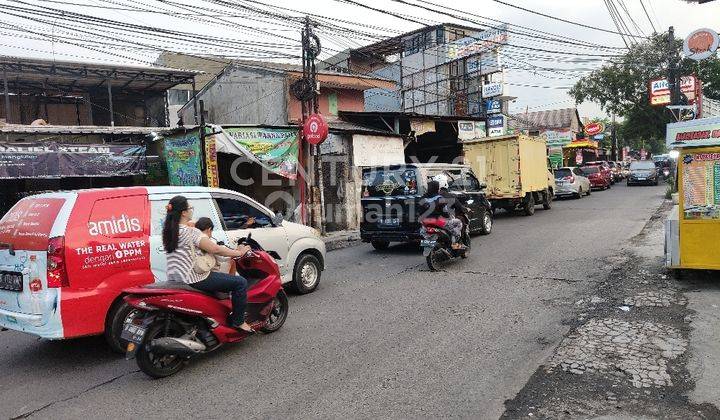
[(381, 337)]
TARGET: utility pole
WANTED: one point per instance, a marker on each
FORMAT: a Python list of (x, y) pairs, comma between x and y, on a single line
[(673, 84), (613, 139), (203, 154), (307, 92)]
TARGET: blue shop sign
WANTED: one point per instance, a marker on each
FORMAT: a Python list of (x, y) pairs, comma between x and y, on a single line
[(493, 106), (495, 121)]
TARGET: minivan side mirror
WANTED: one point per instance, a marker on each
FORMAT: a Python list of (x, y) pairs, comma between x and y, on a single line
[(277, 219)]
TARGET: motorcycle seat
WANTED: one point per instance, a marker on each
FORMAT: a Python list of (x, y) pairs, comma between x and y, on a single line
[(176, 285)]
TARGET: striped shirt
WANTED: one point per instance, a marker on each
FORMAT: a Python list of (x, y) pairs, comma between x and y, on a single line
[(180, 262)]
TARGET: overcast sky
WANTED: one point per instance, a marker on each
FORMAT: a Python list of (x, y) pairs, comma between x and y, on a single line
[(549, 89)]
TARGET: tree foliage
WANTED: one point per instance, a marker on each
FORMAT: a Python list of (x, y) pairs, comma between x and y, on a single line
[(622, 88)]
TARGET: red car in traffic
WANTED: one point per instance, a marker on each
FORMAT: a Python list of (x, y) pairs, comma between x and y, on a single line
[(605, 168), (599, 179)]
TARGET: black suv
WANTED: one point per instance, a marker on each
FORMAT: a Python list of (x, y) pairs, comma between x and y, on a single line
[(391, 196)]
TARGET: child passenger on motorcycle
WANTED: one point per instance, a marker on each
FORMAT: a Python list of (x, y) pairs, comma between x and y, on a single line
[(206, 226)]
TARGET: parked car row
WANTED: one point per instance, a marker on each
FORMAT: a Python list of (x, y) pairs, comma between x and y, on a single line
[(600, 175)]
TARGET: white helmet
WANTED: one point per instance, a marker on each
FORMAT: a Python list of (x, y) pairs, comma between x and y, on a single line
[(442, 180)]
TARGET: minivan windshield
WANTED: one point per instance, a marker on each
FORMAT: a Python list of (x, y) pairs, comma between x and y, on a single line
[(387, 182), (642, 165)]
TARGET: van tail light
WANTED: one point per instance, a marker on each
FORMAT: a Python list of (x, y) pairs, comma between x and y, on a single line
[(56, 270)]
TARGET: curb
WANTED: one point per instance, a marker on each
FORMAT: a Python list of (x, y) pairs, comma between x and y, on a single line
[(344, 241)]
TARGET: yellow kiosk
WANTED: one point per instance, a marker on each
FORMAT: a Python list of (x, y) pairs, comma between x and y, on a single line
[(692, 232)]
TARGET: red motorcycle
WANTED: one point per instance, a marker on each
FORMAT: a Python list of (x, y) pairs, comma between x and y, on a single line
[(173, 322)]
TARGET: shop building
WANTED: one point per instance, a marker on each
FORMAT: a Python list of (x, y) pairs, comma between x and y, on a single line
[(70, 125)]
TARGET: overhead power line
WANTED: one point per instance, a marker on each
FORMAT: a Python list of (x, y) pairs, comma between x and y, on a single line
[(642, 3), (568, 21)]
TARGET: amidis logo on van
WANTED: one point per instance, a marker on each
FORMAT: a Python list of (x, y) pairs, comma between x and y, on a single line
[(114, 226)]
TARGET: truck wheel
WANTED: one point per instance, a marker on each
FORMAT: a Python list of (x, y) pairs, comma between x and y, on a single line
[(114, 326), (529, 205), (547, 200), (380, 245)]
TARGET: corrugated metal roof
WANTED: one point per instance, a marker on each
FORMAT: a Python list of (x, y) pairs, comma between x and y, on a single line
[(23, 73), (341, 125), (78, 129), (408, 115), (548, 119)]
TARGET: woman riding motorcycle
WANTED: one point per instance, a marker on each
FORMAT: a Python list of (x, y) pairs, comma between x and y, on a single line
[(180, 242)]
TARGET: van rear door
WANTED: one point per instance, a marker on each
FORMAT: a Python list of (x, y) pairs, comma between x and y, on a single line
[(390, 199), (27, 302)]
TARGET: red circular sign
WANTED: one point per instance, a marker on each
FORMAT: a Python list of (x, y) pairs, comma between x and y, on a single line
[(594, 128), (315, 129)]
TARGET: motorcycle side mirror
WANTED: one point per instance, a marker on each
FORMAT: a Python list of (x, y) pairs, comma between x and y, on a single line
[(274, 254)]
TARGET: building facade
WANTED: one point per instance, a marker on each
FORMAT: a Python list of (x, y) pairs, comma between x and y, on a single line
[(439, 70)]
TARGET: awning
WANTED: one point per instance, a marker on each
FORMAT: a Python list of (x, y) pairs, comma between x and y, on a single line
[(275, 149), (582, 144)]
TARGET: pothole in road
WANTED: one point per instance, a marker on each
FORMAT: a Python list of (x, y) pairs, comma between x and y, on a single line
[(658, 299), (641, 350)]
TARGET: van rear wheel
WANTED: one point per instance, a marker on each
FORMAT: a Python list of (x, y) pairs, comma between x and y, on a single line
[(114, 326)]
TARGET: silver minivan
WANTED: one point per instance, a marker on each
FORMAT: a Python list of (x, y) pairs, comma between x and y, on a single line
[(571, 182)]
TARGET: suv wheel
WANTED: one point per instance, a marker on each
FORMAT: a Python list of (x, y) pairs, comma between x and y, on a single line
[(306, 274), (486, 222), (380, 245)]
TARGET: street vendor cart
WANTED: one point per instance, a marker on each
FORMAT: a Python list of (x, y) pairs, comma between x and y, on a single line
[(580, 151), (692, 232)]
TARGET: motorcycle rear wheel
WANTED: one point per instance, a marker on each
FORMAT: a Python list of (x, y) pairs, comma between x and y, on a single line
[(435, 259), (156, 365)]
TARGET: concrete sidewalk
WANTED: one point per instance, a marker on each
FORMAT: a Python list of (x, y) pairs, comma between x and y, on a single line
[(341, 239)]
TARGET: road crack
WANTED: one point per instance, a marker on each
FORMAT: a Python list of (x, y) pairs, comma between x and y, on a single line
[(72, 397), (523, 277)]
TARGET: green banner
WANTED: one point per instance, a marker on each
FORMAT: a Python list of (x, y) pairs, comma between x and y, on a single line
[(183, 158), (276, 149)]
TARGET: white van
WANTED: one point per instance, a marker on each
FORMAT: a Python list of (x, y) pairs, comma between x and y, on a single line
[(66, 257)]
